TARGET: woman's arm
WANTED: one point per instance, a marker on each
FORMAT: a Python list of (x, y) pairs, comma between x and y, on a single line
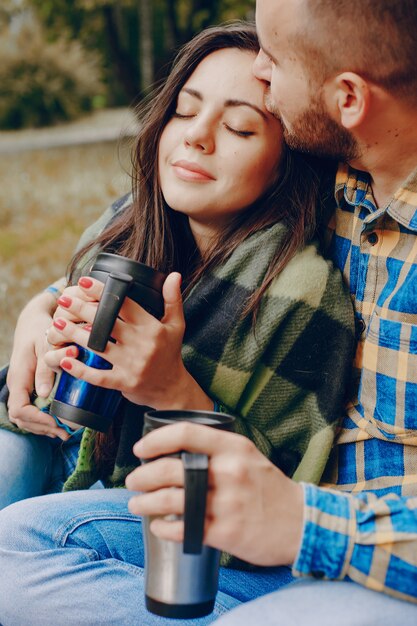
[(27, 370)]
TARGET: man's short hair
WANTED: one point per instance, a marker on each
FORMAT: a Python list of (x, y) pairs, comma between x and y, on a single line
[(377, 39)]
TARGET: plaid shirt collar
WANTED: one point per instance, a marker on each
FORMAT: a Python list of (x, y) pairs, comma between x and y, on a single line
[(353, 188)]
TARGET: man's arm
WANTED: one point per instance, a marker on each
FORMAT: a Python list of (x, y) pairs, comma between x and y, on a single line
[(368, 539), (241, 481), (324, 533)]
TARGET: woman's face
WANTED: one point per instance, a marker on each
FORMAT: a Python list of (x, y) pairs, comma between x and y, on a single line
[(221, 149)]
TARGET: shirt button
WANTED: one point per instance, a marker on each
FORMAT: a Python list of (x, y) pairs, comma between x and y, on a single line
[(373, 238)]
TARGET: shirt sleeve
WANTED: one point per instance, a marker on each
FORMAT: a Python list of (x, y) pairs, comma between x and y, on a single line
[(368, 539), (56, 288)]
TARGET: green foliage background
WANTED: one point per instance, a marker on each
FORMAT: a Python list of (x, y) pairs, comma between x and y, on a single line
[(123, 46)]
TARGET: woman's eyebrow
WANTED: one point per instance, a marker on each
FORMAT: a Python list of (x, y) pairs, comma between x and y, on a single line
[(228, 103), (193, 92)]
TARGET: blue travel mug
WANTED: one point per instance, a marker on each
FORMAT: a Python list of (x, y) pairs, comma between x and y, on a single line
[(82, 403)]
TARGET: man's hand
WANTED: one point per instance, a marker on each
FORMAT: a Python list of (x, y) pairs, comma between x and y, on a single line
[(253, 510)]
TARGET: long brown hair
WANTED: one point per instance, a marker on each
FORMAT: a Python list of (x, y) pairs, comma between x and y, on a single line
[(151, 232)]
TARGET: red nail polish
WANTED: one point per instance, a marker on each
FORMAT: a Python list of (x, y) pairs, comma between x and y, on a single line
[(85, 282), (66, 365), (59, 323), (64, 301), (70, 352), (87, 327)]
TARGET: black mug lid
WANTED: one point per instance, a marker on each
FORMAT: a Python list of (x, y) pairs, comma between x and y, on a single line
[(123, 277), (148, 298), (141, 273)]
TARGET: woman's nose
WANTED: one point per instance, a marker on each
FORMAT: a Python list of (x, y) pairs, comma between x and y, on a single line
[(200, 135), (262, 67)]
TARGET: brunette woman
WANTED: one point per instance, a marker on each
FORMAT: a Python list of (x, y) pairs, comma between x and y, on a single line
[(260, 324)]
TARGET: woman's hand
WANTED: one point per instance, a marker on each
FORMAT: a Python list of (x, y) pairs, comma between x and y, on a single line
[(253, 510), (65, 312), (28, 371), (146, 358)]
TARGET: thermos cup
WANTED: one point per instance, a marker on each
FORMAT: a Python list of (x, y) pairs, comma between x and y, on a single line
[(181, 579), (77, 401)]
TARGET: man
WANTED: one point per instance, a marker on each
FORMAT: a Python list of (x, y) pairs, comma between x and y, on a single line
[(343, 80)]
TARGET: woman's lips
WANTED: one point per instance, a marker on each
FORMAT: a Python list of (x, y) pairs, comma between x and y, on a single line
[(186, 170)]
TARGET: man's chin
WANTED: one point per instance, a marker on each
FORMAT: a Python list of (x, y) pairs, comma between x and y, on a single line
[(316, 149), (294, 143)]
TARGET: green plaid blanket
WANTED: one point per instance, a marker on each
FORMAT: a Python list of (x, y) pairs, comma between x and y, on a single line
[(284, 380)]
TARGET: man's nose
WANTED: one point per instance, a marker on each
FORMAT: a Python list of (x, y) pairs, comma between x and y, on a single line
[(262, 67)]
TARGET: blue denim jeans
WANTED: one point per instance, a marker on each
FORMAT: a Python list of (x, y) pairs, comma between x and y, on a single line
[(78, 559), (33, 465), (323, 603)]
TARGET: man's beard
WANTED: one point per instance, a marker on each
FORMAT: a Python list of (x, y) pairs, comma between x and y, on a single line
[(315, 132)]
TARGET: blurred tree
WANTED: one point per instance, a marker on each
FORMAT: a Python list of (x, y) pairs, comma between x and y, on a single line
[(43, 82), (145, 48), (136, 39)]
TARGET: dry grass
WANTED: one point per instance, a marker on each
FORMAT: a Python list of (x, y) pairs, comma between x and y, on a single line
[(47, 198)]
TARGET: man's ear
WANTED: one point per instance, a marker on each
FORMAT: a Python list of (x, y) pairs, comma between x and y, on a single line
[(352, 98)]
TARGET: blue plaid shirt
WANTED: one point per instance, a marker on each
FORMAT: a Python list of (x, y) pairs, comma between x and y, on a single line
[(363, 526)]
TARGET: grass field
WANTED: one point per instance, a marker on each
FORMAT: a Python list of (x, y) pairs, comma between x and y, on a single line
[(47, 198)]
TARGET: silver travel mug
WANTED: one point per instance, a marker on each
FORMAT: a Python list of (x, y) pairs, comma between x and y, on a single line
[(181, 579)]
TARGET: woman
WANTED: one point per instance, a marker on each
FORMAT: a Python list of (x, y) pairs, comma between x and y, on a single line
[(268, 327)]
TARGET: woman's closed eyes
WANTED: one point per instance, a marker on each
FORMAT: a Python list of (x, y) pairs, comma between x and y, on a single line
[(221, 148), (236, 131)]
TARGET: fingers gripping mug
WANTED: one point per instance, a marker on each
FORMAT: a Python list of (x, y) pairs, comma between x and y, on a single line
[(77, 401), (181, 579)]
